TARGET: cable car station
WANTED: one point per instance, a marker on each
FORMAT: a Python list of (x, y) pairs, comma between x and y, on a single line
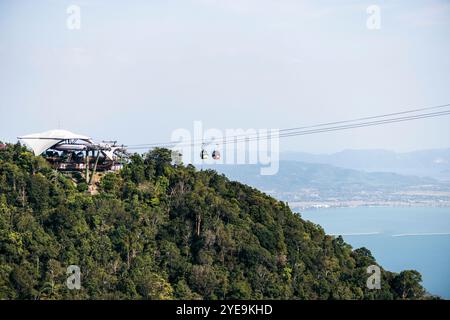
[(70, 152)]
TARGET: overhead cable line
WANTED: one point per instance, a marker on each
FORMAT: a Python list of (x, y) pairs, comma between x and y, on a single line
[(324, 127)]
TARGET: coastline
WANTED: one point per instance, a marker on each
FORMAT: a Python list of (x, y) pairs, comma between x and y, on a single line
[(315, 205)]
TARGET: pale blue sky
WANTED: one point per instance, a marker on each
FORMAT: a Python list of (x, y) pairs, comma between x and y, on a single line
[(137, 70)]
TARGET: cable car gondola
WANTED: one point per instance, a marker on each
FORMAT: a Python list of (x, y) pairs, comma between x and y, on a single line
[(204, 154), (216, 155)]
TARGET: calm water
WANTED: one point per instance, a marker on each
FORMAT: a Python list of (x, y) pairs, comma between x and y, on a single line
[(399, 238)]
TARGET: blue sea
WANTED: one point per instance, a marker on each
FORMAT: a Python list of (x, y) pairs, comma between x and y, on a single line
[(399, 238)]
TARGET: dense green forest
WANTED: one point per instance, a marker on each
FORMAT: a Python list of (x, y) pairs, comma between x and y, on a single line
[(159, 231)]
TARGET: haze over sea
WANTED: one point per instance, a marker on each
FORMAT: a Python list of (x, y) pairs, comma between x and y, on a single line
[(400, 238)]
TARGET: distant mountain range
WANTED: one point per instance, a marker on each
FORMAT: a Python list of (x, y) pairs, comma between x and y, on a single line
[(295, 176), (433, 163), (313, 184)]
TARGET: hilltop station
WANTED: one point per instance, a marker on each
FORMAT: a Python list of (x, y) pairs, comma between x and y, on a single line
[(71, 152)]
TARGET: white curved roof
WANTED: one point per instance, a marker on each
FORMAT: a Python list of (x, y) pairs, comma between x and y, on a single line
[(39, 142)]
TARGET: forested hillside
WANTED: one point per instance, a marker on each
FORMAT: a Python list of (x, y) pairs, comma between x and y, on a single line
[(156, 231)]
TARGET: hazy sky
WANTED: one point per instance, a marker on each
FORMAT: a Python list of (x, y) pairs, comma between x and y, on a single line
[(137, 70)]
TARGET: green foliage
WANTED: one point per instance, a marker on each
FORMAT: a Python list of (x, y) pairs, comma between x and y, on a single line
[(82, 187), (157, 231), (406, 285)]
